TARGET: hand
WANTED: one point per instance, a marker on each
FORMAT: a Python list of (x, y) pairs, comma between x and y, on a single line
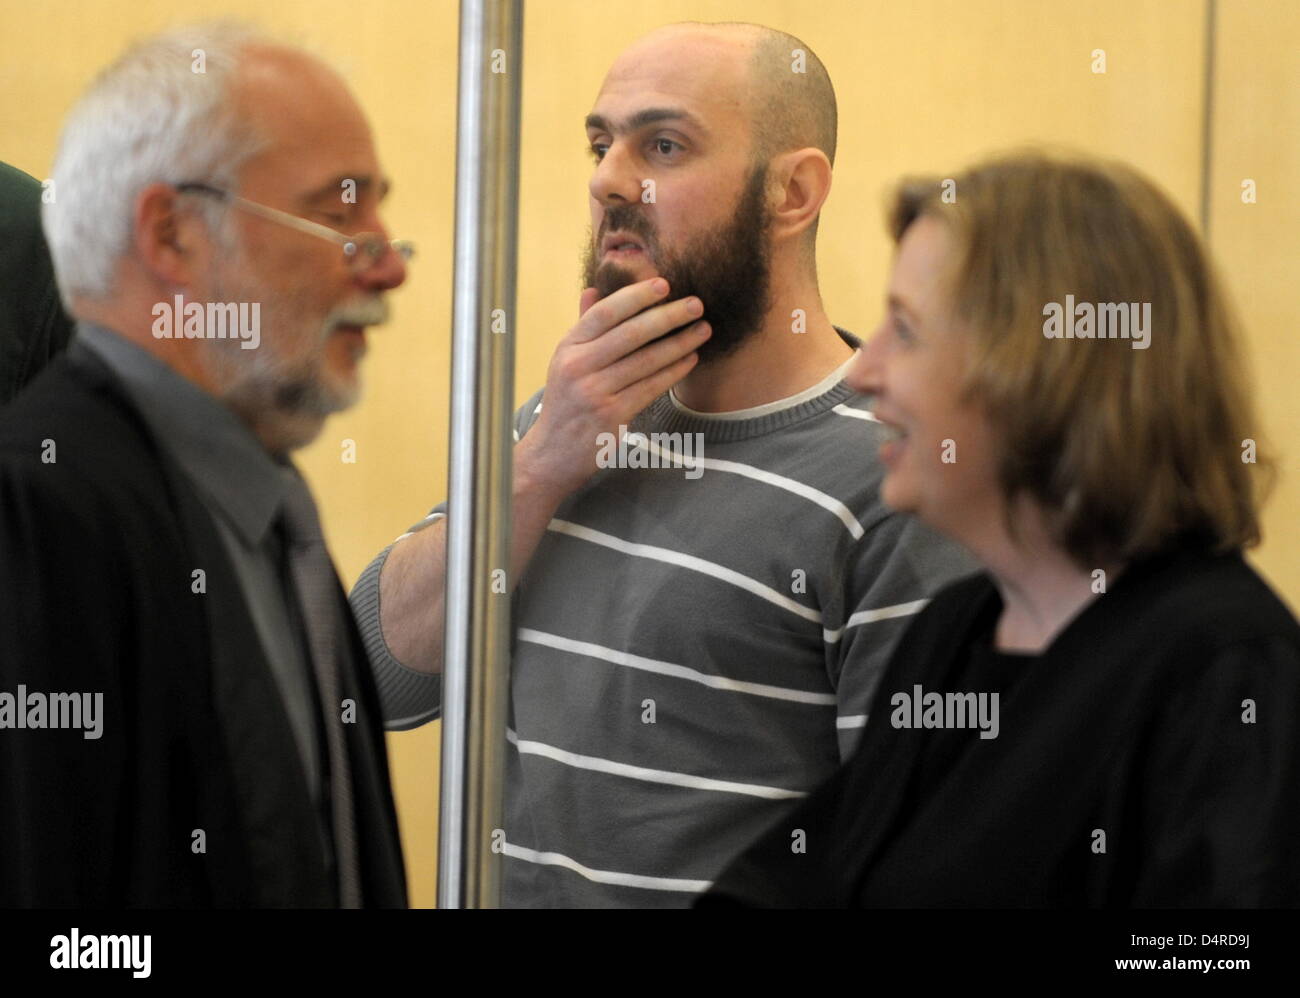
[(605, 371)]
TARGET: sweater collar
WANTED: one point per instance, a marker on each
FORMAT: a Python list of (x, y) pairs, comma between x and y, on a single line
[(668, 415)]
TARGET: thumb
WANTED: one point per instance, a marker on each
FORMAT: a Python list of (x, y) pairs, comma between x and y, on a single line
[(589, 297)]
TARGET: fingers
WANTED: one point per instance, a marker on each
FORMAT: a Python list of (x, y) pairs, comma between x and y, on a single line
[(604, 315), (649, 360), (637, 396), (634, 333)]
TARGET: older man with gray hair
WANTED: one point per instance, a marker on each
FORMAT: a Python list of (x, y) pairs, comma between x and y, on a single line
[(186, 710)]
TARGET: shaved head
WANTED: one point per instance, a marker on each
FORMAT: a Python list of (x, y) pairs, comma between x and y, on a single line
[(789, 96), (712, 146), (778, 83)]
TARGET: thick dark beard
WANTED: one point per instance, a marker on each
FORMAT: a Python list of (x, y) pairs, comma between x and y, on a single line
[(728, 269)]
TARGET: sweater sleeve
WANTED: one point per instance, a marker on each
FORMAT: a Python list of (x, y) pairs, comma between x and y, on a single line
[(893, 571), (407, 696)]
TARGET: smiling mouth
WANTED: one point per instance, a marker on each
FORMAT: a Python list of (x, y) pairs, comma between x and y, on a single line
[(892, 430), (895, 439)]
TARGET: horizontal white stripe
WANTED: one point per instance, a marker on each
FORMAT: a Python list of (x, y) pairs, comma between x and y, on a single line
[(851, 721), (871, 616), (828, 502), (431, 518), (623, 658), (845, 410), (598, 765), (685, 561), (605, 876)]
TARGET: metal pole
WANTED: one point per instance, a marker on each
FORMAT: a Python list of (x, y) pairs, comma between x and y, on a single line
[(476, 663)]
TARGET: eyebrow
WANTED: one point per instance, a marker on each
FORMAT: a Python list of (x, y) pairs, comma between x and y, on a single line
[(335, 187), (647, 116)]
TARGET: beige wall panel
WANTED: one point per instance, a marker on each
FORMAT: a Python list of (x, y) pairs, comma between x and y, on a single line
[(1256, 136)]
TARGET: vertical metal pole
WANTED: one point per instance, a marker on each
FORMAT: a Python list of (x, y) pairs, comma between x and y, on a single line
[(477, 650), (1207, 116)]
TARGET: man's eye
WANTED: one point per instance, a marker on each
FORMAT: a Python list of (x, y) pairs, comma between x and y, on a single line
[(661, 143), (597, 151)]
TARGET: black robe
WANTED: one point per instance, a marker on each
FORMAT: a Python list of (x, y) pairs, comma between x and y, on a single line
[(1150, 757), (194, 795), (33, 325)]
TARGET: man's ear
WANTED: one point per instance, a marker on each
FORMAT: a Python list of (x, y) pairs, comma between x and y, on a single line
[(804, 179), (170, 239)]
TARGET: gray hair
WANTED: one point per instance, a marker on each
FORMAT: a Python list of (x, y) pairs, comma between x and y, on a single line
[(158, 114)]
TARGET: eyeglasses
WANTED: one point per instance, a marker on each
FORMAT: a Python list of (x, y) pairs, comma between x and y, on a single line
[(361, 251)]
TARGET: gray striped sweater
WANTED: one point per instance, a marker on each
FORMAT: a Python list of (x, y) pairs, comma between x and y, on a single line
[(696, 647)]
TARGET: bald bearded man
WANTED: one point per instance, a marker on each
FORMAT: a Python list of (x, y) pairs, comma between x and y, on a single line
[(703, 611)]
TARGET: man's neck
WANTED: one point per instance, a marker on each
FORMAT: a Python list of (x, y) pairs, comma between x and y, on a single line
[(181, 355), (777, 361)]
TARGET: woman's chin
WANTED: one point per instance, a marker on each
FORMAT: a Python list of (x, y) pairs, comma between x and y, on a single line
[(896, 495)]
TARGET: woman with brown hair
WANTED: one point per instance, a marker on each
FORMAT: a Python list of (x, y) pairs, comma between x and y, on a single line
[(1109, 714)]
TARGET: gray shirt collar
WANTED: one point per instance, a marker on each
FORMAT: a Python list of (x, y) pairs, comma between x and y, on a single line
[(218, 452)]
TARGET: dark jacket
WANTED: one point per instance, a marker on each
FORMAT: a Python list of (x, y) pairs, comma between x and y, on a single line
[(33, 326), (194, 795), (1149, 757)]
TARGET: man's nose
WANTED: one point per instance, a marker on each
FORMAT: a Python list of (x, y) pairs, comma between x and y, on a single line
[(614, 180), (386, 272)]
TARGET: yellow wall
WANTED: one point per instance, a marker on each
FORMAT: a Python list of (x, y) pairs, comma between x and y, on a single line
[(1256, 136), (922, 86)]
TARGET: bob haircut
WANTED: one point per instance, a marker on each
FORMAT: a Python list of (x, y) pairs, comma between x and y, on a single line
[(1125, 449)]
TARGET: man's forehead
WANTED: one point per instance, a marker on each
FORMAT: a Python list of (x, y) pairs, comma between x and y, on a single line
[(305, 113), (292, 94), (702, 72)]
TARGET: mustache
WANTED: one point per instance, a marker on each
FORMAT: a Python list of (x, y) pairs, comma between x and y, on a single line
[(630, 219), (366, 312)]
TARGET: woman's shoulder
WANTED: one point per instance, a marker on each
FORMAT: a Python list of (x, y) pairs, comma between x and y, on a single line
[(1217, 598), (1185, 602), (961, 595), (1182, 618)]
